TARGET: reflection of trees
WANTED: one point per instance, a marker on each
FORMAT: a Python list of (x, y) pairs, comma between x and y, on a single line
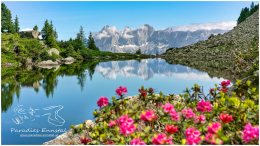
[(49, 82), (81, 80), (15, 78), (8, 90)]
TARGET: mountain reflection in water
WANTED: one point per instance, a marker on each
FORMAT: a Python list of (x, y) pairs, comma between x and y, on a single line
[(76, 87)]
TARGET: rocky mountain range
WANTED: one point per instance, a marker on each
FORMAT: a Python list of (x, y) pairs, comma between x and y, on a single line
[(151, 41)]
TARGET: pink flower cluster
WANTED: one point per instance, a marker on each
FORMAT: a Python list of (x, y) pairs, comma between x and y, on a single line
[(137, 141), (188, 113), (126, 125), (200, 119), (214, 127), (161, 139), (225, 118), (112, 123), (102, 101), (204, 106), (225, 83), (148, 115), (169, 108), (175, 115), (121, 90), (192, 136), (171, 129), (250, 133), (212, 136)]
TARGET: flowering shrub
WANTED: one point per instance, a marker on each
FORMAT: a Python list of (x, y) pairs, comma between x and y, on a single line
[(229, 117)]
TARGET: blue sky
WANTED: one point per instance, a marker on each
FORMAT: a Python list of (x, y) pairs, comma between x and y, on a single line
[(68, 16)]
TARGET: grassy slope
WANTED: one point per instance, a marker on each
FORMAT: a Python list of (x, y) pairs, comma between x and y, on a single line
[(231, 55)]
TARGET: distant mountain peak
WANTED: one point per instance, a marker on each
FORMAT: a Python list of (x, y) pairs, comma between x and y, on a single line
[(152, 41)]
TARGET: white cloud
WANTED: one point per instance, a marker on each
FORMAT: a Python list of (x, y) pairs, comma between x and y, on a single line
[(225, 25), (26, 29)]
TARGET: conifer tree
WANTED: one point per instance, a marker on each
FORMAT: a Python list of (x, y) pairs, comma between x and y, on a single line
[(80, 39), (91, 43), (48, 34), (246, 12), (16, 24), (35, 28), (6, 19)]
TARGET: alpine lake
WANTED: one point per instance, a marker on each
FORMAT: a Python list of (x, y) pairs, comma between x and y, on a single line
[(40, 103)]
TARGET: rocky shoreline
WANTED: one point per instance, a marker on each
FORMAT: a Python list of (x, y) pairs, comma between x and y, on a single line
[(69, 137)]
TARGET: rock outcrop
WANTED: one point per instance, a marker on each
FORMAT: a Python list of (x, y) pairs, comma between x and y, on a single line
[(53, 51), (69, 137), (48, 63), (30, 34), (68, 60)]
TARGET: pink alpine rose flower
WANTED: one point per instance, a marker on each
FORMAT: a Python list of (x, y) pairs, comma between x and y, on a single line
[(200, 119), (102, 101), (137, 141), (250, 133), (213, 128), (225, 83), (225, 118), (171, 129), (125, 119), (192, 132), (127, 129), (148, 115), (204, 106), (192, 136), (161, 139), (168, 107), (188, 113), (213, 139), (175, 115), (126, 125), (121, 90), (112, 123)]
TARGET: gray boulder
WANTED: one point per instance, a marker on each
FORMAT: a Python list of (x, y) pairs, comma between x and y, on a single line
[(53, 51), (68, 60), (48, 63)]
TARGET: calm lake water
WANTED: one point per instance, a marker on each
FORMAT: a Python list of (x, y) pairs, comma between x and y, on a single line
[(54, 99)]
